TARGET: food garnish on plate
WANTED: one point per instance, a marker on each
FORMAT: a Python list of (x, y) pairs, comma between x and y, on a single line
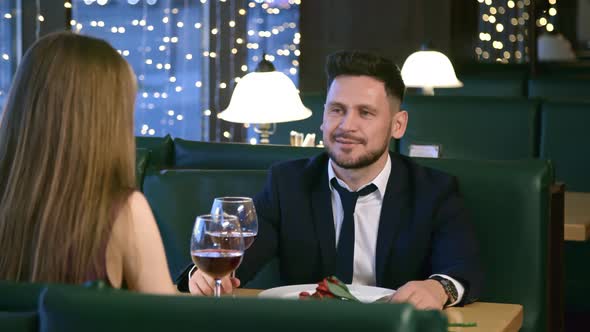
[(330, 288)]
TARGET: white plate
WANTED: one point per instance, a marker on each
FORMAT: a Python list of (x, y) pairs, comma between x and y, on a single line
[(361, 292)]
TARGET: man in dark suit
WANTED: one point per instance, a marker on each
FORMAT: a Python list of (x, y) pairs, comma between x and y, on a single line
[(360, 212)]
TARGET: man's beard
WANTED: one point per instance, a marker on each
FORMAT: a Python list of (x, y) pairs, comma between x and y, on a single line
[(363, 161)]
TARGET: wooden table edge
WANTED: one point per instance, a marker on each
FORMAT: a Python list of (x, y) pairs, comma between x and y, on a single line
[(517, 321), (512, 326), (576, 232)]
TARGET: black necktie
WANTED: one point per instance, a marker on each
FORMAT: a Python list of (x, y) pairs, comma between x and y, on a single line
[(345, 251)]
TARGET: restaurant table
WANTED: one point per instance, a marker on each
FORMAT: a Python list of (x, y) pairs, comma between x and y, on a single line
[(490, 317), (577, 216)]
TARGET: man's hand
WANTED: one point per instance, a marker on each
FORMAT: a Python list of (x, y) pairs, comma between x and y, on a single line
[(426, 294), (202, 284)]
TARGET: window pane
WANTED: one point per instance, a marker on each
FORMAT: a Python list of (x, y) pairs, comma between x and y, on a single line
[(7, 47), (273, 28), (188, 54), (162, 40), (503, 31)]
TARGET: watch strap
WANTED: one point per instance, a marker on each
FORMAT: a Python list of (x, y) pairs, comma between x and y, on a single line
[(449, 288)]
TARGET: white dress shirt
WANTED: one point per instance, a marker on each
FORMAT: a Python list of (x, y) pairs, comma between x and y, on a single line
[(366, 226)]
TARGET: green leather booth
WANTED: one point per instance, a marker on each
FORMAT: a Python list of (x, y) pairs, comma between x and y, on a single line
[(579, 69), (177, 197), (87, 310), (18, 306), (510, 208), (142, 157), (161, 150), (489, 80), (205, 155), (560, 88), (19, 296), (19, 321), (484, 86), (509, 202), (553, 80), (490, 128), (565, 141), (494, 69)]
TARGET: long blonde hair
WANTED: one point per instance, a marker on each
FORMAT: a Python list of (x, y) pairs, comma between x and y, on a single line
[(67, 155)]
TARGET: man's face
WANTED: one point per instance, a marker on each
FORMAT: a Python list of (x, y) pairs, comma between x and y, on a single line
[(358, 121)]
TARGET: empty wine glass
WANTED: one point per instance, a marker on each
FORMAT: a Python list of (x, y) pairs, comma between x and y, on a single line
[(217, 246)]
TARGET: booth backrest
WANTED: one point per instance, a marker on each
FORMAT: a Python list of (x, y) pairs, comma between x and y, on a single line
[(142, 157), (177, 197), (564, 69), (484, 86), (161, 150), (19, 296), (489, 80), (205, 155), (560, 88), (565, 141), (510, 208), (18, 306), (86, 310), (473, 127), (19, 321)]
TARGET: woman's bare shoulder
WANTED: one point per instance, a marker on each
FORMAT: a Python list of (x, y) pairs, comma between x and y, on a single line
[(139, 208)]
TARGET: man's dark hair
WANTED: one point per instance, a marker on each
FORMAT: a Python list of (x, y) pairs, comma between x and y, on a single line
[(357, 63)]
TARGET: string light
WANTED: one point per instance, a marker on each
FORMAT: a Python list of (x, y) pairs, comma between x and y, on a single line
[(503, 31)]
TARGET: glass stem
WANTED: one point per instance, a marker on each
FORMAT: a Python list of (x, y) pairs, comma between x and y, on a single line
[(217, 290)]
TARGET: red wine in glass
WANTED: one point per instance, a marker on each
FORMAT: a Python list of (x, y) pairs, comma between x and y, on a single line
[(217, 263), (217, 246)]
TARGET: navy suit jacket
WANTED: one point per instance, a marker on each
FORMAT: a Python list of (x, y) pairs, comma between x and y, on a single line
[(424, 227)]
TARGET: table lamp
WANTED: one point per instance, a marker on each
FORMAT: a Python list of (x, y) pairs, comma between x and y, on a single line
[(265, 97), (429, 69)]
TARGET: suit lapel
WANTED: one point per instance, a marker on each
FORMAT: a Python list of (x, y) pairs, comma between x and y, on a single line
[(394, 211), (321, 207)]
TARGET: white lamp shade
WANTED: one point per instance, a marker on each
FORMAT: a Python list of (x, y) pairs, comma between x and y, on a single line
[(429, 69), (265, 97), (554, 48)]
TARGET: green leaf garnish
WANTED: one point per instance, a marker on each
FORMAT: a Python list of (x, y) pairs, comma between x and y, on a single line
[(339, 289), (470, 324)]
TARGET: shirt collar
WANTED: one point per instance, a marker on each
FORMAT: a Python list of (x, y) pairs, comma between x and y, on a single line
[(380, 180)]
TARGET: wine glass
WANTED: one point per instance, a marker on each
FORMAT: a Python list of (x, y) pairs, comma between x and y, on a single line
[(217, 246), (243, 208)]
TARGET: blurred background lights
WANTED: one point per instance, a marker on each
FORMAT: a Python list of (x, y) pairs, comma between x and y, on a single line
[(179, 91)]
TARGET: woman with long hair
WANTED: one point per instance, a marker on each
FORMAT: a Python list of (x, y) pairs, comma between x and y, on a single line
[(68, 209)]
